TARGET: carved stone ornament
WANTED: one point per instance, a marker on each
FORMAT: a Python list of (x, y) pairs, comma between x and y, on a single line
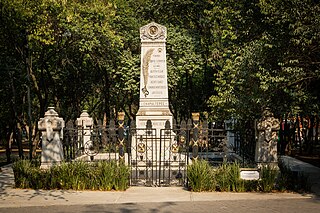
[(153, 31), (145, 70), (266, 147), (269, 126), (51, 125)]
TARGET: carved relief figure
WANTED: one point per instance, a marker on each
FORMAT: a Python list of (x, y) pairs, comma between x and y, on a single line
[(145, 70)]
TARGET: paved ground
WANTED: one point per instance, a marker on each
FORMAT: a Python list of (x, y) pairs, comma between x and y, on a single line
[(148, 199), (238, 206), (154, 200)]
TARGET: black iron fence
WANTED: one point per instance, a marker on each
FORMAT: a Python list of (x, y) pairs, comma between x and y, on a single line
[(157, 156), (95, 143), (300, 136)]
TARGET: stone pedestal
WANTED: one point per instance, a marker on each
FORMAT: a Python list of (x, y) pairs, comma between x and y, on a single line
[(266, 147), (84, 124), (51, 127)]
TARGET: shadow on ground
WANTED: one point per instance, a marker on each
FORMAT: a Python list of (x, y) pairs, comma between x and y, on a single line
[(7, 189)]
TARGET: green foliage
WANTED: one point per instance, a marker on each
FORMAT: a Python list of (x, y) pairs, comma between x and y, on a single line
[(122, 176), (223, 178), (228, 178), (78, 175), (185, 73), (229, 58), (201, 176), (22, 170), (252, 185), (73, 176), (106, 180), (268, 178), (272, 60)]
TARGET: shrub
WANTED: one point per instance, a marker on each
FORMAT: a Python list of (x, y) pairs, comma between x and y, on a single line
[(105, 175), (268, 178), (76, 175), (228, 178), (22, 170), (251, 185), (237, 184), (122, 176), (222, 176), (201, 176)]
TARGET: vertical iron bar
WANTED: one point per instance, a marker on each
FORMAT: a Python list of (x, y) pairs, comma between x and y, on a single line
[(160, 145)]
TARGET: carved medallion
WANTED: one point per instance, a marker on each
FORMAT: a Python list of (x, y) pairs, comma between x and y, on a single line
[(153, 31)]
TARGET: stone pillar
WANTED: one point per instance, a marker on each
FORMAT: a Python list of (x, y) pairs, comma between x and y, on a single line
[(266, 147), (51, 127), (84, 124)]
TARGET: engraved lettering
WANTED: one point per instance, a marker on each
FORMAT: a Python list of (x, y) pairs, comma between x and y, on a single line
[(154, 104), (156, 82), (156, 71), (156, 76), (157, 87)]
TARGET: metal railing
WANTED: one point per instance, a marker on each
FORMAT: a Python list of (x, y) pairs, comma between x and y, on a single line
[(156, 159)]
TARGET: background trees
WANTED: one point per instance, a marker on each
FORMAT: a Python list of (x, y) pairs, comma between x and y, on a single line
[(225, 58), (277, 66)]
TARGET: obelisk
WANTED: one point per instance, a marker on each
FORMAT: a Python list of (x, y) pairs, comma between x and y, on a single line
[(154, 101)]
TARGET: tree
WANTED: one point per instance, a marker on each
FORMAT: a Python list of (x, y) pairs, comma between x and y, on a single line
[(59, 44), (277, 67)]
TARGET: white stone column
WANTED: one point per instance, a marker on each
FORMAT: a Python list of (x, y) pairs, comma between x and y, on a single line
[(84, 124), (51, 127)]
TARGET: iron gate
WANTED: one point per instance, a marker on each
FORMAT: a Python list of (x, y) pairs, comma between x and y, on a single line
[(155, 157), (158, 157)]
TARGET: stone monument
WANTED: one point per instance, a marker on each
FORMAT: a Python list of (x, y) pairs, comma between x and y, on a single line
[(154, 101), (51, 127), (148, 151), (266, 147)]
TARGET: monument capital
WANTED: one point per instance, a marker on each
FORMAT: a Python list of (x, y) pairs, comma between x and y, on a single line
[(153, 31)]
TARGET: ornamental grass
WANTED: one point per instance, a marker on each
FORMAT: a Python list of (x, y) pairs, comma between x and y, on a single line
[(78, 175)]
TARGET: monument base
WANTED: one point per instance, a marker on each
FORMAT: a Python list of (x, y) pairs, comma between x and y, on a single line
[(158, 121)]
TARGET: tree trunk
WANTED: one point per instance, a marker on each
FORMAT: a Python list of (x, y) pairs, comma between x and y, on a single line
[(19, 140), (299, 135), (8, 144), (35, 141), (317, 131), (310, 135)]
